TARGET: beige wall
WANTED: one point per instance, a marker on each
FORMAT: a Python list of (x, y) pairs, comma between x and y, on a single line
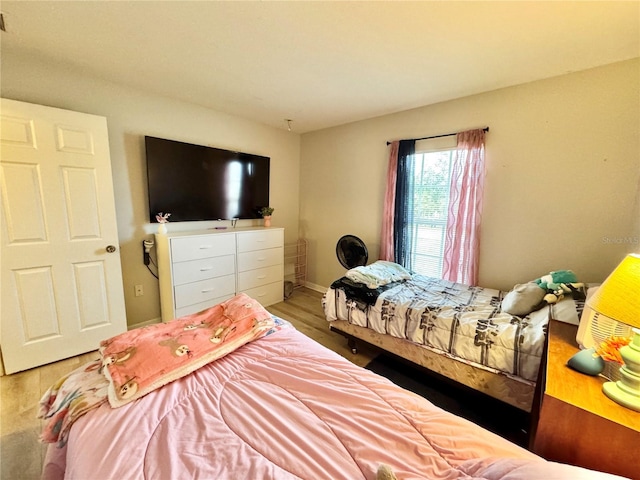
[(563, 168), (130, 116)]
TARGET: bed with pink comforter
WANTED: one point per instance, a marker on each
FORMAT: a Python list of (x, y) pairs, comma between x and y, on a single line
[(285, 407)]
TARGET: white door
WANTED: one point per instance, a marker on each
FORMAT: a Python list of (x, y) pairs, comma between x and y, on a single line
[(61, 275)]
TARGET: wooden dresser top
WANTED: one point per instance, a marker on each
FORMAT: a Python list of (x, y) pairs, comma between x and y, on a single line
[(577, 389)]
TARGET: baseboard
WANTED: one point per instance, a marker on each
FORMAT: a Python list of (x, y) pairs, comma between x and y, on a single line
[(317, 288), (146, 323)]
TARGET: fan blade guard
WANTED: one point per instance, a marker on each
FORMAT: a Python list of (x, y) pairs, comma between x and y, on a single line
[(351, 252)]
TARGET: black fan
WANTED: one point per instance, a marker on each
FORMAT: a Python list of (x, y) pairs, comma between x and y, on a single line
[(351, 252)]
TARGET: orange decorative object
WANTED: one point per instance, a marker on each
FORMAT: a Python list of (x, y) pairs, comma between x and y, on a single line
[(610, 348)]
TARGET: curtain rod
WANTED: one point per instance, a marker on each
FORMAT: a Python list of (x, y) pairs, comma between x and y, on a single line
[(486, 129)]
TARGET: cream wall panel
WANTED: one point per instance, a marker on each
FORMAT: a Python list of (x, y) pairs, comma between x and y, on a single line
[(561, 191), (260, 258), (23, 205), (267, 294), (74, 140), (83, 216), (202, 246), (90, 277), (70, 277), (259, 240), (17, 131), (260, 276), (132, 114), (203, 290), (37, 301), (194, 270)]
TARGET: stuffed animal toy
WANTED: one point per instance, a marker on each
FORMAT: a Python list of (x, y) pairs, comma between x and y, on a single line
[(557, 284), (549, 289), (554, 279), (385, 473)]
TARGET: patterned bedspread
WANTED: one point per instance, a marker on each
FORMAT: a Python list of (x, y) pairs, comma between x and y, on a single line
[(463, 322)]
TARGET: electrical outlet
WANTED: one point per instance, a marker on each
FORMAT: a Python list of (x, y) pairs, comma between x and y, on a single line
[(139, 291)]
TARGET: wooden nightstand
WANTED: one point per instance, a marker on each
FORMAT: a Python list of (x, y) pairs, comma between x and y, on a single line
[(577, 423)]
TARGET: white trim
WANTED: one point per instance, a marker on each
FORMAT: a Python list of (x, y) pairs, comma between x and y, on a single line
[(436, 144), (146, 323), (317, 288)]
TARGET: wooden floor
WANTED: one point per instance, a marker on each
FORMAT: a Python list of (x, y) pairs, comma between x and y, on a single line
[(21, 453), (304, 310)]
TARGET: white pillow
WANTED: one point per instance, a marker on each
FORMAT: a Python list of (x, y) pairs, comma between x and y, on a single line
[(378, 274)]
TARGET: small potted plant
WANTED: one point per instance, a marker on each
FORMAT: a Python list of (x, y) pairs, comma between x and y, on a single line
[(266, 214)]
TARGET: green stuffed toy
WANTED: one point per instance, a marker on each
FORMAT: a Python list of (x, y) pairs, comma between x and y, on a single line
[(557, 284), (546, 290)]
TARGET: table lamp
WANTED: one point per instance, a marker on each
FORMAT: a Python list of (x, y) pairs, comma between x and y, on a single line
[(619, 298)]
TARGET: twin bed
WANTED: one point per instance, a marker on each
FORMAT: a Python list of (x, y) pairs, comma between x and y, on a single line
[(455, 330), (241, 394)]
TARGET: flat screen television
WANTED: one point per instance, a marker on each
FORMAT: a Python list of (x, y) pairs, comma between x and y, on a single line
[(194, 182)]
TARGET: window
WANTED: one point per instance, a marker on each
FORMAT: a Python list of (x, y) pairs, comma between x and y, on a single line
[(427, 226), (431, 178)]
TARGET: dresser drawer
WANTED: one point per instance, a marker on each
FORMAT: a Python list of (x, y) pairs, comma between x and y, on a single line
[(267, 294), (199, 269), (261, 276), (259, 240), (194, 270), (260, 259), (197, 292), (197, 307), (202, 246)]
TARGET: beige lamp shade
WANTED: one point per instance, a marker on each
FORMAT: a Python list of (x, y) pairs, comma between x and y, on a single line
[(619, 296)]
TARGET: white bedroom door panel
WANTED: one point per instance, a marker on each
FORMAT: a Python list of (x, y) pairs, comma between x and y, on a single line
[(61, 273)]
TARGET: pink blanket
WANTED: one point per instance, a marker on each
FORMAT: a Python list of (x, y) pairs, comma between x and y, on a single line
[(284, 407), (139, 361), (144, 359)]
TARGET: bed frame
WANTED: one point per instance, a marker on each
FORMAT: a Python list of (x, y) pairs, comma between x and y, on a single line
[(497, 385)]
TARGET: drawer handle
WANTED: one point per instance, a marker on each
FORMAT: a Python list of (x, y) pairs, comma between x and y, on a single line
[(261, 259), (207, 290), (261, 277), (204, 247), (206, 269)]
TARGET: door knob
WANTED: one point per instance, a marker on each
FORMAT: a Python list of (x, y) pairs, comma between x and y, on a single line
[(111, 248)]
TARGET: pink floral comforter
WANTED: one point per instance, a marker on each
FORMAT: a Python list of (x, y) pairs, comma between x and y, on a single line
[(284, 407)]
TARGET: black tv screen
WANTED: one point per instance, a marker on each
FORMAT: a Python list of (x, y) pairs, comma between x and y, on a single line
[(194, 182)]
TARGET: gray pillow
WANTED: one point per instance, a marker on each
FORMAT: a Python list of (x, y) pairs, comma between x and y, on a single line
[(523, 299)]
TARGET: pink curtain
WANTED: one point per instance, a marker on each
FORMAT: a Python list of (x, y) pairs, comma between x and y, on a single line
[(462, 241), (386, 237)]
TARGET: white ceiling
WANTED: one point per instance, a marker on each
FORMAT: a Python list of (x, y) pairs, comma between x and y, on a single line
[(323, 64)]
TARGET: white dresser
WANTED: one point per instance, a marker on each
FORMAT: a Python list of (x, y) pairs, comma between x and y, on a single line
[(200, 269)]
